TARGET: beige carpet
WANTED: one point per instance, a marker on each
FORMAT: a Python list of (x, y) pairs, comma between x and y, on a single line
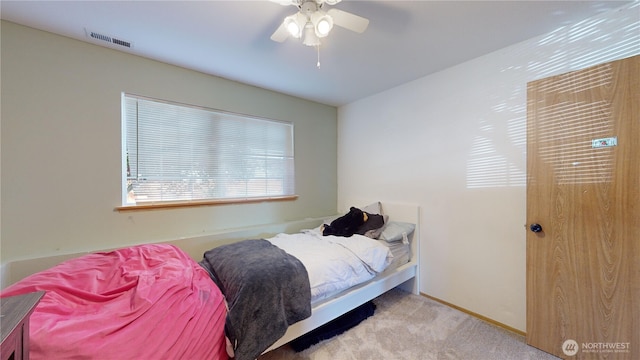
[(412, 327)]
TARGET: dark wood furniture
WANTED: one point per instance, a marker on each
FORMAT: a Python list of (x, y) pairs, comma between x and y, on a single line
[(15, 312)]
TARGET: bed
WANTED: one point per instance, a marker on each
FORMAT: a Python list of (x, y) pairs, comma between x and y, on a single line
[(107, 304), (403, 275)]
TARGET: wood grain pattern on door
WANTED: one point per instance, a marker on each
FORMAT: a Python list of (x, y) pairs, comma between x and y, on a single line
[(583, 189)]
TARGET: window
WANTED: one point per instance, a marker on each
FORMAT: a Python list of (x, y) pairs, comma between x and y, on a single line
[(179, 153)]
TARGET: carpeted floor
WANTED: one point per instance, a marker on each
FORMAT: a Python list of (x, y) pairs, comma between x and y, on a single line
[(412, 327)]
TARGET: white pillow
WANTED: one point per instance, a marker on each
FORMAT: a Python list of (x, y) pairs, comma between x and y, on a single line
[(396, 231), (375, 208)]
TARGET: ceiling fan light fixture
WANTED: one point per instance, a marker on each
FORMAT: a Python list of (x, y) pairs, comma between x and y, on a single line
[(294, 25), (323, 23), (310, 37), (311, 22), (293, 29)]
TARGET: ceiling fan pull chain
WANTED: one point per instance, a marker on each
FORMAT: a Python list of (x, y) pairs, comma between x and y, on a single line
[(318, 49)]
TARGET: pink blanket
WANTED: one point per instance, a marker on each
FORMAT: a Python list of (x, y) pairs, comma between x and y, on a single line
[(142, 302)]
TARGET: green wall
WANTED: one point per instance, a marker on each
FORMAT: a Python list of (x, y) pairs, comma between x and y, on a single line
[(61, 147)]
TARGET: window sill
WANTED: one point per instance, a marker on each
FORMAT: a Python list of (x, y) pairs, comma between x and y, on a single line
[(186, 204)]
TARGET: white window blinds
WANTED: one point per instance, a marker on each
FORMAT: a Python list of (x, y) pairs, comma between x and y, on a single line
[(175, 152)]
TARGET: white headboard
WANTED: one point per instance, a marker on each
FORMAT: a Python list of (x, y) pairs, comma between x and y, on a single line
[(403, 212)]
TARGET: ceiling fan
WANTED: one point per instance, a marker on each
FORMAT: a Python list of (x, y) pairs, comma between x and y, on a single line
[(311, 22)]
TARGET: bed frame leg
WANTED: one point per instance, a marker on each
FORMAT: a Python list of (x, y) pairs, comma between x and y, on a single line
[(411, 286)]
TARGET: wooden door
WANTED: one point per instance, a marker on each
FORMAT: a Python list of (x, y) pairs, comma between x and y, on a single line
[(583, 190)]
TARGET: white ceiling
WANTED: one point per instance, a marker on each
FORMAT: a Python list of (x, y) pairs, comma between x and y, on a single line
[(405, 40)]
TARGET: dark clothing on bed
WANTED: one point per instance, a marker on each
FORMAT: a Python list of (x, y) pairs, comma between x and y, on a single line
[(347, 224), (266, 289), (355, 221)]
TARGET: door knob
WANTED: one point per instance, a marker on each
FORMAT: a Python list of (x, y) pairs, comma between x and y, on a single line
[(535, 228)]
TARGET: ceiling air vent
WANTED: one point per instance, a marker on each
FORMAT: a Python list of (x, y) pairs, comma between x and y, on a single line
[(109, 39)]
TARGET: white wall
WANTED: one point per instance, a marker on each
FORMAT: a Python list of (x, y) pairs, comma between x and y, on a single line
[(61, 147), (454, 142)]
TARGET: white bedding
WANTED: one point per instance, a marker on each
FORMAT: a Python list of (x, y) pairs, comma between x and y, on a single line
[(334, 263)]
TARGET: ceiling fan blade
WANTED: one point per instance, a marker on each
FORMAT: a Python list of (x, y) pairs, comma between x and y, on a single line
[(286, 2), (281, 34), (348, 20)]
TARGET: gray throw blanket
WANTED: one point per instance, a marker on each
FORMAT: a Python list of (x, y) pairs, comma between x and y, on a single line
[(266, 289)]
